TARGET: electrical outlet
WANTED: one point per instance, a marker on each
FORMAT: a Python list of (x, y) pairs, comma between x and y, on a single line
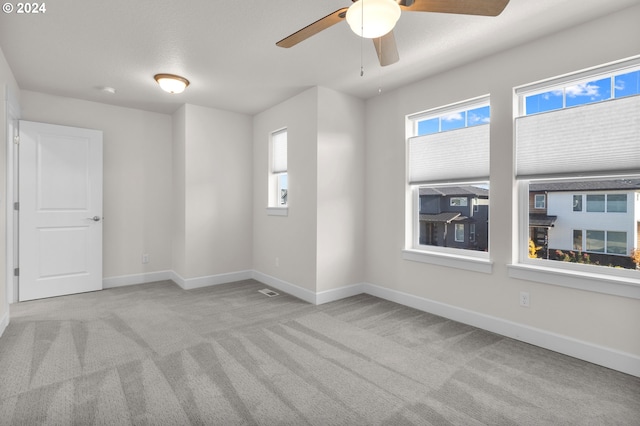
[(277, 261), (145, 258), (524, 299)]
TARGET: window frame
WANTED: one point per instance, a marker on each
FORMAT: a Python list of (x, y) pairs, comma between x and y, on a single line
[(613, 281), (473, 260), (274, 187), (543, 204)]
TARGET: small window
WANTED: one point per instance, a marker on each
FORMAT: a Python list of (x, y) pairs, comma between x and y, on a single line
[(595, 241), (577, 203), (595, 203), (540, 201), (278, 176), (459, 233), (617, 242), (577, 239), (617, 203), (458, 202)]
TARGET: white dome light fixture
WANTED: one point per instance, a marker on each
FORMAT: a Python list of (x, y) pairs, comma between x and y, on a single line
[(171, 83), (373, 18)]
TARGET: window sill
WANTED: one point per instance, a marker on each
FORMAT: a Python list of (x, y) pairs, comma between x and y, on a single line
[(599, 283), (450, 260), (277, 211)]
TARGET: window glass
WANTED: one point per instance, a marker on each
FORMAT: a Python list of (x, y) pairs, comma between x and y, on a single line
[(427, 127), (460, 232), (595, 241), (453, 121), (616, 242), (283, 189), (595, 203), (577, 203), (442, 216), (478, 116), (564, 233), (627, 84), (539, 202), (577, 239), (586, 93), (544, 102), (458, 201), (617, 203)]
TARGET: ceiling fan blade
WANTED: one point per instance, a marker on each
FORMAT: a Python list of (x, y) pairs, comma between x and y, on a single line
[(313, 29), (386, 49), (463, 7)]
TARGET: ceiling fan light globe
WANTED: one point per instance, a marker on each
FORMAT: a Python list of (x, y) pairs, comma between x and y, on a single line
[(379, 17)]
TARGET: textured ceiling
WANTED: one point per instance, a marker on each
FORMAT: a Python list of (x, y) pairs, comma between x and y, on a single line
[(227, 48)]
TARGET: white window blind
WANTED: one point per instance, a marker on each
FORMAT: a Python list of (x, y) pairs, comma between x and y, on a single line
[(590, 140), (279, 152), (448, 157)]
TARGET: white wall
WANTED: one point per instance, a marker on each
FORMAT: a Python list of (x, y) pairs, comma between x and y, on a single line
[(601, 320), (319, 245), (340, 200), (178, 242), (218, 194), (291, 239), (137, 177)]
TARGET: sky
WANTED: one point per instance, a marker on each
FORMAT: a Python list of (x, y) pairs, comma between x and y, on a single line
[(617, 86), (626, 84)]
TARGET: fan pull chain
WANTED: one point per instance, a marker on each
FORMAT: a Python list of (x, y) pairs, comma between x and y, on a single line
[(361, 39)]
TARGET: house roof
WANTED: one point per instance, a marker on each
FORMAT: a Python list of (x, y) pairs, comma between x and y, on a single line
[(453, 191), (542, 220), (587, 185), (446, 217)]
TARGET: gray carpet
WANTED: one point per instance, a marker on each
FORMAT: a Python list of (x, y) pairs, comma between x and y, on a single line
[(155, 354)]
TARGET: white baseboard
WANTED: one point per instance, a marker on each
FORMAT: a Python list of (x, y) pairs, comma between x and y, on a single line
[(199, 282), (607, 357), (4, 322), (340, 293), (294, 290), (124, 280)]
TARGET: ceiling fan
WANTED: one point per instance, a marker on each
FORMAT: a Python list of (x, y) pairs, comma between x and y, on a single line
[(375, 19)]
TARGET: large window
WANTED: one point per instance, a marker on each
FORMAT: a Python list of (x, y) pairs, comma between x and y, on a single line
[(577, 142), (448, 177), (278, 176)]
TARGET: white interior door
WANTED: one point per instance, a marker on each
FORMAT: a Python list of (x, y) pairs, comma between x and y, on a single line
[(60, 210)]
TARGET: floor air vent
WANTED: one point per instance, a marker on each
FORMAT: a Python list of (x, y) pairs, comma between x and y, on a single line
[(268, 292)]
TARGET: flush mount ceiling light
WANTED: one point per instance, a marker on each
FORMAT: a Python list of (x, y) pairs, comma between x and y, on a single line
[(171, 83), (373, 18)]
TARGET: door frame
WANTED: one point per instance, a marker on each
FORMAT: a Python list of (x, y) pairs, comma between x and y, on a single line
[(11, 229)]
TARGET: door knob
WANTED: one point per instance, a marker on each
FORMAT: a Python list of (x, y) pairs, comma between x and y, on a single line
[(95, 218)]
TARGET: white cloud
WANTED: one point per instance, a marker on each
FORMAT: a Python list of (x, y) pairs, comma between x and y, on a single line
[(457, 116), (585, 89)]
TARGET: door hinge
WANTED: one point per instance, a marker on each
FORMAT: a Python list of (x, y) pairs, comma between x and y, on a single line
[(16, 140), (16, 272), (16, 205)]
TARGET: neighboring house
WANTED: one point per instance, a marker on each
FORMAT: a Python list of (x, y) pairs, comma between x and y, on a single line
[(601, 218), (455, 216)]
